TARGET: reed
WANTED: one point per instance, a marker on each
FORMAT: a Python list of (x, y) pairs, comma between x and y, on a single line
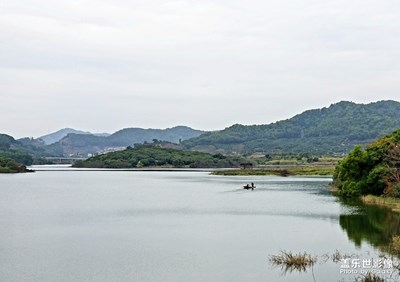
[(290, 261), (370, 277), (394, 246)]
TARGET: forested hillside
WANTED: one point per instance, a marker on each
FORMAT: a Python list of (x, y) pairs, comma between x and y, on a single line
[(23, 151), (129, 136), (333, 130), (154, 156)]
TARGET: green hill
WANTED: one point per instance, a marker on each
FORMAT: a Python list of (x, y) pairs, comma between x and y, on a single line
[(23, 151), (333, 130), (129, 136), (154, 156)]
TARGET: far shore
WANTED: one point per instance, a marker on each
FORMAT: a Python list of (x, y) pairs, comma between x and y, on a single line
[(287, 171)]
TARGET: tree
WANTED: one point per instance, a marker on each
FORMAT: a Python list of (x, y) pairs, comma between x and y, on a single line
[(350, 173), (375, 170), (392, 178)]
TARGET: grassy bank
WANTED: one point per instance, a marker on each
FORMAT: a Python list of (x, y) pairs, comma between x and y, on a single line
[(392, 203), (300, 170)]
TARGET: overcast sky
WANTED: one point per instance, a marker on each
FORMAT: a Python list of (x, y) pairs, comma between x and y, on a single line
[(104, 65)]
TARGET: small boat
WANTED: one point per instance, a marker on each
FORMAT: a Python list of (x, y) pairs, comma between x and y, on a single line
[(248, 187)]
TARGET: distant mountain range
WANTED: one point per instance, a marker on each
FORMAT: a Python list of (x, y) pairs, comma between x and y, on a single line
[(73, 142), (60, 134), (83, 144), (333, 130)]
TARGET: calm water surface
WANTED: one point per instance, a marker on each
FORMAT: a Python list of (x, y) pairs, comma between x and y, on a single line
[(172, 226)]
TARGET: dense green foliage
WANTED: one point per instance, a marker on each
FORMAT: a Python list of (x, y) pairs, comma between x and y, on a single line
[(8, 165), (152, 156), (374, 170), (333, 130)]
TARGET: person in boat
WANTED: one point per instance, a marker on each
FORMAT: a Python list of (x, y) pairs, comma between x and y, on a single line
[(249, 187)]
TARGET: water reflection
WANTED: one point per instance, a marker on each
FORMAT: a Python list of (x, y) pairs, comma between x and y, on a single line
[(372, 224), (363, 224), (169, 226)]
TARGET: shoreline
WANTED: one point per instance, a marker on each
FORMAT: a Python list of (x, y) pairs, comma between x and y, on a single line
[(326, 171)]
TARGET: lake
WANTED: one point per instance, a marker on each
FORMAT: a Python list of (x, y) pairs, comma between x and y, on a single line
[(105, 225)]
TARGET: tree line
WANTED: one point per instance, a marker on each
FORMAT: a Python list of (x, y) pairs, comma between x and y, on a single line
[(154, 156)]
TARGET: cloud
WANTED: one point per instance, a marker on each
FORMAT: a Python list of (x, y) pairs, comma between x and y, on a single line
[(100, 65)]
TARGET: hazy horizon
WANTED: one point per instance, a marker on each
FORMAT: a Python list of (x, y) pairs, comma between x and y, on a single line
[(100, 66)]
